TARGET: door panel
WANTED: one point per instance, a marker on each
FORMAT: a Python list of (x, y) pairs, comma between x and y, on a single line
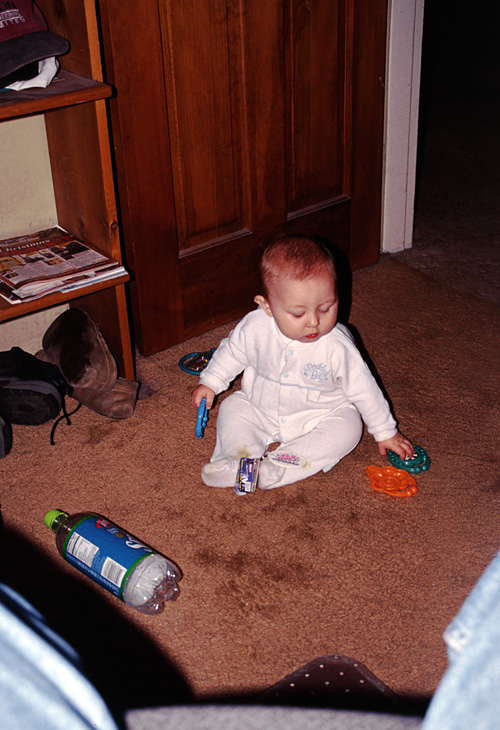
[(245, 133), (317, 92), (219, 283), (208, 143)]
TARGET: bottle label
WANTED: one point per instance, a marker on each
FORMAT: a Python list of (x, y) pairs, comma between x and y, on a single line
[(104, 552)]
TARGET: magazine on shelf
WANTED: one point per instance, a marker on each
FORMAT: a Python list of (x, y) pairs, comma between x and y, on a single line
[(53, 260)]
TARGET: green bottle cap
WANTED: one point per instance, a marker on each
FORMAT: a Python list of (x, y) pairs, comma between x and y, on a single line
[(51, 517)]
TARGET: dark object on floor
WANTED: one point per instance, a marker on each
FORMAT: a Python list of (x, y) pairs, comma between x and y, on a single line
[(116, 402), (334, 682), (31, 392), (195, 362), (74, 343)]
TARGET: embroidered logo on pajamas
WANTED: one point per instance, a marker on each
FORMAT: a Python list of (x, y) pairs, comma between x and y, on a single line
[(286, 458), (316, 372)]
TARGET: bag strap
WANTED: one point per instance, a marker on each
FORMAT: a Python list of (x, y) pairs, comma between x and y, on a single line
[(65, 416)]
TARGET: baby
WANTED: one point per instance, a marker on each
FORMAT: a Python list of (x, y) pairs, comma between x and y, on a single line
[(305, 385)]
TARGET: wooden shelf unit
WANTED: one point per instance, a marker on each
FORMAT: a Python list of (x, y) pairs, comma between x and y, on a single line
[(66, 89), (75, 114)]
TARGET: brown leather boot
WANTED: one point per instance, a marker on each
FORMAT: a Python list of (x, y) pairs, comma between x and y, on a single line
[(74, 343), (116, 402)]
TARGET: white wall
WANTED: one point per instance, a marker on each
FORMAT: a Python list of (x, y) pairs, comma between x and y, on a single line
[(26, 205), (26, 196)]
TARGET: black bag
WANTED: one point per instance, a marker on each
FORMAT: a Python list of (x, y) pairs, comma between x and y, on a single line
[(32, 392)]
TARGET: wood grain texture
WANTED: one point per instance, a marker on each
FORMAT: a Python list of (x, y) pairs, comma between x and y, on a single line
[(232, 124)]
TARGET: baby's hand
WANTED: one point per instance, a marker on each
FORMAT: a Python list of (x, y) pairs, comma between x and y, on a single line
[(200, 392), (399, 444)]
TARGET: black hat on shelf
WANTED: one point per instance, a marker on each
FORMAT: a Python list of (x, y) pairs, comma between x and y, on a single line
[(25, 40)]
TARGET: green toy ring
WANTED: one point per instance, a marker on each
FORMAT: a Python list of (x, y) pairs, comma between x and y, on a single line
[(419, 462)]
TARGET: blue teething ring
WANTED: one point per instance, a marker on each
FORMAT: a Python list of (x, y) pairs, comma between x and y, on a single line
[(420, 461), (201, 419), (195, 362)]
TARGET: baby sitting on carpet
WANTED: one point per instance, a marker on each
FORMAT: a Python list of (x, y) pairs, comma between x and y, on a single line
[(305, 385)]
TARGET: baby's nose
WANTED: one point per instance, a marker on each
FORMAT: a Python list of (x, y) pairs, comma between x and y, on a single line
[(312, 319)]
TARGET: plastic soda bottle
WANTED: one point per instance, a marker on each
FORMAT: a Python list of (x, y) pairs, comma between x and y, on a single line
[(119, 562)]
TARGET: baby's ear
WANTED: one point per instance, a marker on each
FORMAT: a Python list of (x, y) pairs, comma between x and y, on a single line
[(262, 302)]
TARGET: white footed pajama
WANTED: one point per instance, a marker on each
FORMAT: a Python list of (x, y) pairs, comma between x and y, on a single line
[(311, 398)]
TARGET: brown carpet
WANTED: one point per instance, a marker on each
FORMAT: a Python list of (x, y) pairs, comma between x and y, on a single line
[(273, 580)]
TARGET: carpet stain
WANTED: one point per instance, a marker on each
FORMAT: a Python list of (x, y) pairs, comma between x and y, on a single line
[(99, 433)]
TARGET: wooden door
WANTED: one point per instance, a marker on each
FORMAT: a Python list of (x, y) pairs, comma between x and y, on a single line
[(235, 120)]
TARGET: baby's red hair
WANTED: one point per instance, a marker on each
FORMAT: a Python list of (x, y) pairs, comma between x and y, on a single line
[(294, 257)]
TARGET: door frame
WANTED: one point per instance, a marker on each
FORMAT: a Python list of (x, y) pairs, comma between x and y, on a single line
[(403, 64)]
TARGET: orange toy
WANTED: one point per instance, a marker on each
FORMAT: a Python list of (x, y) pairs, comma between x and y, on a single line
[(396, 482)]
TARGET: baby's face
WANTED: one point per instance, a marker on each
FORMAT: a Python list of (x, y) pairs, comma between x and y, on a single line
[(303, 310)]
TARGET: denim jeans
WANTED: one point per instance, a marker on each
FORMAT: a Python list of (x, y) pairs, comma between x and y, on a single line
[(42, 683), (467, 696)]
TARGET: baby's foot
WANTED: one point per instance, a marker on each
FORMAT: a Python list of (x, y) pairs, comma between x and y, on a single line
[(219, 473), (270, 475)]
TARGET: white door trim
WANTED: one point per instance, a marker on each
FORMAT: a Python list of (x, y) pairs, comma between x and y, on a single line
[(404, 54)]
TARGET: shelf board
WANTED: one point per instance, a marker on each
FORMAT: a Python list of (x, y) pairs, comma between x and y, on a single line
[(11, 311), (66, 89)]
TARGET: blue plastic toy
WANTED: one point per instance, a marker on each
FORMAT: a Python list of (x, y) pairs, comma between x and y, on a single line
[(418, 463), (195, 362), (202, 418)]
